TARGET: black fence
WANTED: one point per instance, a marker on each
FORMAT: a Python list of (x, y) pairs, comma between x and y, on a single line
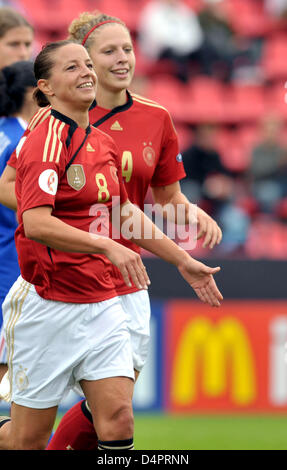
[(238, 279)]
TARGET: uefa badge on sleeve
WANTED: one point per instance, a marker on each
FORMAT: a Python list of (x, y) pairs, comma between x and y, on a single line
[(48, 182)]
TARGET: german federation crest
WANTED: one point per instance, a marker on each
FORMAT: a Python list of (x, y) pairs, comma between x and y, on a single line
[(149, 155)]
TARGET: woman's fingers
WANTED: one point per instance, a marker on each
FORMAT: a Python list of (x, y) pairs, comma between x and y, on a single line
[(125, 273), (209, 293), (137, 276), (213, 234), (144, 272), (134, 270), (214, 289), (211, 296), (200, 295), (208, 237)]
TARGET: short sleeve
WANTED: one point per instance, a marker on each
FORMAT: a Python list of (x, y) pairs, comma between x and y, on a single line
[(169, 167), (38, 173), (12, 160), (15, 154)]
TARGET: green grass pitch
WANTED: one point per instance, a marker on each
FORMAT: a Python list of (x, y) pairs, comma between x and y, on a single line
[(210, 432)]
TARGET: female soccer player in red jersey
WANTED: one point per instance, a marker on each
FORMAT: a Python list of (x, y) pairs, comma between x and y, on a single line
[(65, 292), (148, 145)]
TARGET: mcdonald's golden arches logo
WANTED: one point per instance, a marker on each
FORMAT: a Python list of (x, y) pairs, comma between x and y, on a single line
[(210, 353)]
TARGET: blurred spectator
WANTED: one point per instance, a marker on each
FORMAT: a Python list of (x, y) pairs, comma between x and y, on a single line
[(268, 169), (17, 106), (234, 56), (220, 36), (210, 185), (16, 37), (168, 29), (276, 8), (204, 168)]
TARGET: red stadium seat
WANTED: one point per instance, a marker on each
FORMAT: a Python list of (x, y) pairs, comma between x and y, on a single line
[(247, 103), (185, 136), (273, 61), (36, 12), (126, 10), (204, 102), (195, 5), (234, 150), (145, 66), (70, 9), (248, 17), (249, 133), (267, 238), (53, 15), (276, 99), (41, 38), (249, 136), (168, 92)]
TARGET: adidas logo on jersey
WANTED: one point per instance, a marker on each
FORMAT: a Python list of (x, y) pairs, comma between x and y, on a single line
[(89, 148), (116, 126)]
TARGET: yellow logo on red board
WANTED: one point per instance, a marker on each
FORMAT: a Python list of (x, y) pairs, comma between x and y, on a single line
[(212, 347)]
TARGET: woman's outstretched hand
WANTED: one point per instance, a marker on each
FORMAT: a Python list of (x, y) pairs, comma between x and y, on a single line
[(200, 278)]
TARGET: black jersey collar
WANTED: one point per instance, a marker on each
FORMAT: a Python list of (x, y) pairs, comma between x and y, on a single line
[(68, 121), (112, 112), (93, 105)]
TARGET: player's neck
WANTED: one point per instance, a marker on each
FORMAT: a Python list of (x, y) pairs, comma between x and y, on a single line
[(109, 100)]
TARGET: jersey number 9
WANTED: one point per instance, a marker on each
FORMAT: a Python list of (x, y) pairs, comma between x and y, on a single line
[(127, 165)]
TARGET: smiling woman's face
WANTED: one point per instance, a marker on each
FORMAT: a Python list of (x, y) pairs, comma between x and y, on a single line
[(113, 56), (72, 79)]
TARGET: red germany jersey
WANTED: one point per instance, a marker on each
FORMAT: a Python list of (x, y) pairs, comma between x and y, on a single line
[(148, 145), (76, 172)]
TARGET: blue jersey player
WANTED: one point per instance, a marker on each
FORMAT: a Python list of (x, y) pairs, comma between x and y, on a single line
[(17, 83)]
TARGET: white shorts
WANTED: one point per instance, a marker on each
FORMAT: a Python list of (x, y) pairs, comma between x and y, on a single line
[(53, 345), (3, 349), (137, 308)]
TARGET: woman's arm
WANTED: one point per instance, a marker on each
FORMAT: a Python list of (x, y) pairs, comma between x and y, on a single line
[(7, 188), (41, 226), (171, 194), (140, 230)]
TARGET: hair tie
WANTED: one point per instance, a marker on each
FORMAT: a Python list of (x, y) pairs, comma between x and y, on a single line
[(95, 27)]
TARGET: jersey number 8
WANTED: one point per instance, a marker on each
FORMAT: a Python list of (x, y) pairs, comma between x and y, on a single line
[(103, 194)]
